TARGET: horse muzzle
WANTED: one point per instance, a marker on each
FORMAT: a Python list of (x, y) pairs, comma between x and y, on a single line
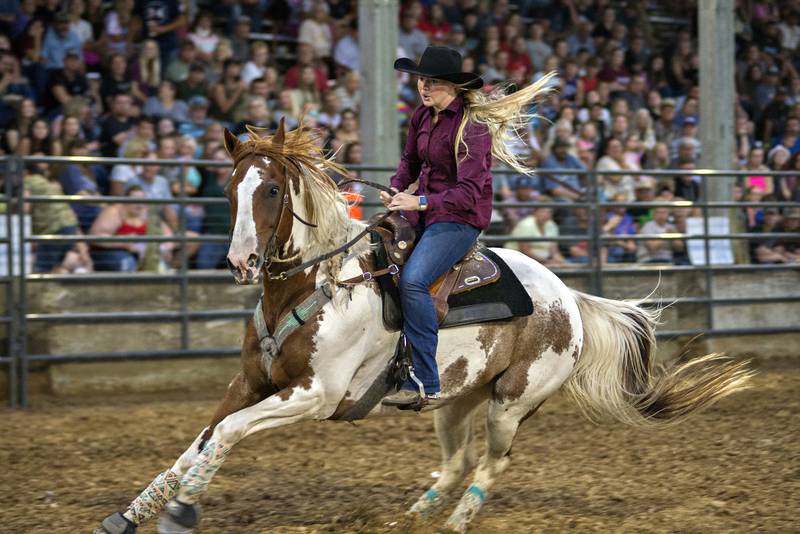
[(245, 270)]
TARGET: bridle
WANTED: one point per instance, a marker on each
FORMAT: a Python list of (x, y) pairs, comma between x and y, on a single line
[(269, 254)]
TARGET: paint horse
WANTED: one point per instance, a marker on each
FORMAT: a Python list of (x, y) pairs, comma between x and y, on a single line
[(285, 211)]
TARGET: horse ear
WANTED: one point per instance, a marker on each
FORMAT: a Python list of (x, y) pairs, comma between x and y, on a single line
[(280, 135), (231, 142)]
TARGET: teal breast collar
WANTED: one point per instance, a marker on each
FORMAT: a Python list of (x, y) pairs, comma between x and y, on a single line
[(271, 343)]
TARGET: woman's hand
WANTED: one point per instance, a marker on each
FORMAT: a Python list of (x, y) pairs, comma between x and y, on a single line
[(404, 202), (386, 198)]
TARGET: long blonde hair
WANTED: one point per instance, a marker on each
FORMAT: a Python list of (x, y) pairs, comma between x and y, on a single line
[(504, 115)]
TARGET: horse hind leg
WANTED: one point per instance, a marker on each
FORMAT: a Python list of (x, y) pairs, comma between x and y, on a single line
[(454, 428)]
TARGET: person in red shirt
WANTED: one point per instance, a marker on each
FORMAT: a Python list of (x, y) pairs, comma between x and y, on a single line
[(519, 58), (452, 138), (305, 58), (436, 26), (615, 72)]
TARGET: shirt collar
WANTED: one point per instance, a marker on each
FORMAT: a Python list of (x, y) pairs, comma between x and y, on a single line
[(455, 105)]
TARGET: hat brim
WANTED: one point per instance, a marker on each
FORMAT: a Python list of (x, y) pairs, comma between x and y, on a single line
[(467, 80)]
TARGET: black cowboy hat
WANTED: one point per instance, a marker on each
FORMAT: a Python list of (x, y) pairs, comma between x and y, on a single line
[(441, 63)]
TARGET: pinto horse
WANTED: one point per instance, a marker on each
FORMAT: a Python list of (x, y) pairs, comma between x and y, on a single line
[(285, 211)]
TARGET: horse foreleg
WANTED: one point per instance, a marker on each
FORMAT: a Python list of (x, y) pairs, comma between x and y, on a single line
[(454, 423), (165, 485), (296, 403)]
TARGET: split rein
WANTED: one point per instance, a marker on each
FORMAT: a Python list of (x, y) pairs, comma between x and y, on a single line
[(284, 275)]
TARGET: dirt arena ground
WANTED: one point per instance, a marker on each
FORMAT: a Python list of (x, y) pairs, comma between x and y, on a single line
[(66, 464)]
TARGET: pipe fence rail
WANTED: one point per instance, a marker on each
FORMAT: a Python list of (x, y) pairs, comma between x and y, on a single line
[(16, 239)]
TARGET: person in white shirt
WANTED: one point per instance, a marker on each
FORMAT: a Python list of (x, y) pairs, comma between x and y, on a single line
[(257, 66), (346, 53), (316, 31)]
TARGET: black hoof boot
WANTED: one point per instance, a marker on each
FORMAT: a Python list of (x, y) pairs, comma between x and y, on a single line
[(179, 518), (116, 524)]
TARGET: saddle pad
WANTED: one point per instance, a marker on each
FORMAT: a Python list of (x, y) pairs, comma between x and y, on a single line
[(500, 300)]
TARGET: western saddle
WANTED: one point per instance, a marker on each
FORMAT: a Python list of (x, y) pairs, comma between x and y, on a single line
[(474, 270)]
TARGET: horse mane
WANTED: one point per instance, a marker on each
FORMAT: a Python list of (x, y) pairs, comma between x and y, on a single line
[(325, 206)]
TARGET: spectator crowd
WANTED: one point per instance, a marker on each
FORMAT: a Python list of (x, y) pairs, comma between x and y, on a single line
[(160, 79)]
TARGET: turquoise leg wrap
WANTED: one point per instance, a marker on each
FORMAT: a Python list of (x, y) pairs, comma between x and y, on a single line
[(476, 491)]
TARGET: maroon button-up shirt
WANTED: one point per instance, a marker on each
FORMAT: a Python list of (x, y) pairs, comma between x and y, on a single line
[(456, 193)]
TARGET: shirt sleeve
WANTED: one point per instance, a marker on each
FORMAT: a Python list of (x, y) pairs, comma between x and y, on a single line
[(410, 164), (472, 169)]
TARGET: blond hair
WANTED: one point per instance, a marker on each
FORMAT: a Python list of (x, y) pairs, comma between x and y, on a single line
[(504, 115)]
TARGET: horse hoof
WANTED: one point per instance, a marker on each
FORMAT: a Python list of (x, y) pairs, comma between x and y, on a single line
[(116, 524), (179, 518)]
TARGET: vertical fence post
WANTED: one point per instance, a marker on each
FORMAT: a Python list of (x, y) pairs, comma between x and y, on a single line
[(593, 196), (11, 301), (184, 258), (18, 177)]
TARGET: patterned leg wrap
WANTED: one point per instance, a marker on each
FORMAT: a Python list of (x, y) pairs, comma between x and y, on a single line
[(468, 506), (429, 500), (195, 481), (153, 499)]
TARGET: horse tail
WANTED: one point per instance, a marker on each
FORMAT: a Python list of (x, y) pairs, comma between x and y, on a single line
[(616, 376)]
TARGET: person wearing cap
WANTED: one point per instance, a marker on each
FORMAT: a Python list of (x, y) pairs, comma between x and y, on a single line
[(69, 82), (59, 40), (198, 121), (665, 125), (452, 137), (562, 187), (686, 147), (412, 40)]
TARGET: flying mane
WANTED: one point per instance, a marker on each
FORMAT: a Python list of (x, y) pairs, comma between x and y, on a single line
[(324, 206)]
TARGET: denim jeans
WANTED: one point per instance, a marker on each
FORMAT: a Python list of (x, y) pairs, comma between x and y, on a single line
[(211, 255), (50, 255), (114, 259), (440, 247)]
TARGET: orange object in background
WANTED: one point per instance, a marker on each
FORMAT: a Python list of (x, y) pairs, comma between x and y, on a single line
[(354, 210)]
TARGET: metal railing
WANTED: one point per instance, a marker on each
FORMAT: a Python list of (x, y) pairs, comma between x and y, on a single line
[(18, 313)]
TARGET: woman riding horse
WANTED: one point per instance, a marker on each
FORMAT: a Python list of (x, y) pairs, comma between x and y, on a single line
[(451, 140)]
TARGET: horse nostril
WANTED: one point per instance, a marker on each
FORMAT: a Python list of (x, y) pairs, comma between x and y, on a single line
[(252, 261)]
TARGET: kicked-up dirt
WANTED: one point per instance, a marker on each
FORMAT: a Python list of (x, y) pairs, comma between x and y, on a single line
[(66, 464)]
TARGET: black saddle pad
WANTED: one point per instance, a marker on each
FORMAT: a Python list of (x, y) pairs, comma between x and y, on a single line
[(500, 300)]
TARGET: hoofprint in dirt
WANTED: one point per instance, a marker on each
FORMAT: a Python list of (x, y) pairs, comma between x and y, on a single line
[(732, 468)]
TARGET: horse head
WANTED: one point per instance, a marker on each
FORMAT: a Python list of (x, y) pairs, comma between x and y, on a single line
[(279, 193)]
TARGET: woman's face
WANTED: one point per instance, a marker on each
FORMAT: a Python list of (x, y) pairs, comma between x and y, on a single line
[(135, 210), (150, 49), (28, 109), (435, 93), (165, 127), (166, 91), (543, 214), (349, 123), (309, 77), (614, 149), (40, 130), (756, 157), (72, 126)]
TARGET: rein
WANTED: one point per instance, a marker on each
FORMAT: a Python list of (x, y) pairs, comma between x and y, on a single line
[(284, 275)]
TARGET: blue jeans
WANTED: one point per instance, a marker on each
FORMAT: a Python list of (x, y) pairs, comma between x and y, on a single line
[(114, 259), (211, 255), (440, 247)]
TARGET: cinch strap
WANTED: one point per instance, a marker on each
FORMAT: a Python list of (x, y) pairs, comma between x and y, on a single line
[(299, 315)]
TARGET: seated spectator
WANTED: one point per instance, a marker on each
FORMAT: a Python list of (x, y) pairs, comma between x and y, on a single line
[(754, 214), (614, 160), (777, 157), (203, 36), (227, 93), (680, 214), (305, 58), (286, 110), (614, 72), (257, 116), (165, 104), (791, 134), (665, 129), (178, 69), (68, 82), (523, 188), (686, 138), (539, 224), (195, 83), (58, 41), (619, 222), (347, 54), (770, 250), (687, 186), (217, 216), (116, 127), (330, 114), (643, 128), (20, 128), (117, 34), (348, 131), (306, 91), (155, 186), (54, 218), (122, 174), (791, 225), (762, 182), (39, 140), (146, 71), (412, 40), (198, 118), (315, 30), (145, 131), (349, 91), (644, 191), (658, 250), (563, 187), (120, 220), (577, 224), (240, 40), (788, 189), (116, 80), (658, 158), (257, 66)]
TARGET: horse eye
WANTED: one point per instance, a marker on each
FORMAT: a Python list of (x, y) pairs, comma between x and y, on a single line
[(274, 190)]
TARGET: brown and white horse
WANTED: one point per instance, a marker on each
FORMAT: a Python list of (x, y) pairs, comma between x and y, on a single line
[(600, 351)]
